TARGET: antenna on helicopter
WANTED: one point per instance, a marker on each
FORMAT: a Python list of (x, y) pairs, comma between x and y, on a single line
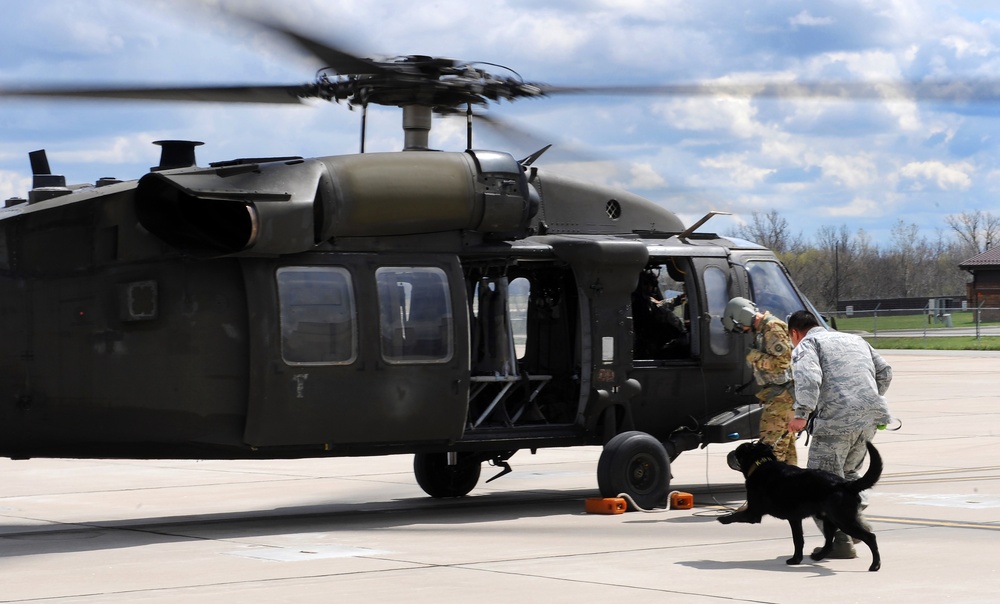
[(694, 227), (527, 161)]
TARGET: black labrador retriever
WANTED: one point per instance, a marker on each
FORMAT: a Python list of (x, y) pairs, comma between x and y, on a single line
[(791, 493)]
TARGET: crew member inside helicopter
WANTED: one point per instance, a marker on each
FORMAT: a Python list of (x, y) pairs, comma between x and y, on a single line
[(659, 332)]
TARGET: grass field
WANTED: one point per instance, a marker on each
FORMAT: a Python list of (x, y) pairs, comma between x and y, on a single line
[(916, 320)]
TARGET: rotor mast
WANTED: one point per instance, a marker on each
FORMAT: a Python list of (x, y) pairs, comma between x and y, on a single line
[(417, 121)]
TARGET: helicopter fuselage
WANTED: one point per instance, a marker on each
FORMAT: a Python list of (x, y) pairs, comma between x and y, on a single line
[(361, 305)]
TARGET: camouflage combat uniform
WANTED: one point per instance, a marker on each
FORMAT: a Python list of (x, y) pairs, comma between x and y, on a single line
[(839, 381), (771, 359)]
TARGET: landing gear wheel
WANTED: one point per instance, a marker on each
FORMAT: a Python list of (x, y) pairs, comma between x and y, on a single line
[(637, 464), (438, 479)]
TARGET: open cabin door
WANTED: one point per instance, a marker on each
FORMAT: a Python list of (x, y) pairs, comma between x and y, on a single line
[(686, 379), (352, 350)]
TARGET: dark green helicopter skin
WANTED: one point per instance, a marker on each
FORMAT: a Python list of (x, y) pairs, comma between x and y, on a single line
[(458, 306), (146, 318)]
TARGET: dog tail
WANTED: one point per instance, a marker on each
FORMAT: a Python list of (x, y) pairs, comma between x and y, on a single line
[(873, 473)]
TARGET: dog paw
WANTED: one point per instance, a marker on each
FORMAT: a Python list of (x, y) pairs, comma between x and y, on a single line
[(818, 554), (794, 560), (727, 519), (875, 566)]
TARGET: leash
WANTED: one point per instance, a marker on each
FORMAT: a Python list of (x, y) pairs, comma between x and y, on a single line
[(740, 389), (890, 427)]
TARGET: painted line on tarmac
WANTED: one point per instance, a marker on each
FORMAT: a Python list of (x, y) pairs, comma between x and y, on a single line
[(948, 471), (935, 523), (940, 480)]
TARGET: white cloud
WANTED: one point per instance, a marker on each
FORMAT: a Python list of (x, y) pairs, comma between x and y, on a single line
[(644, 176), (858, 207), (115, 150), (727, 114), (641, 8), (734, 169), (853, 172), (782, 149), (992, 179), (963, 46), (946, 177), (13, 184), (806, 19)]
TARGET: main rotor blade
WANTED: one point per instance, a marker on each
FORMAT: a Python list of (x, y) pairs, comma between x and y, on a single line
[(530, 140), (983, 91), (335, 58), (340, 61), (200, 94)]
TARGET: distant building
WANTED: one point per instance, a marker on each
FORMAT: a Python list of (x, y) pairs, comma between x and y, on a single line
[(985, 286)]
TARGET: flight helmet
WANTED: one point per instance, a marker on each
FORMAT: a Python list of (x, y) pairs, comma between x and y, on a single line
[(739, 313)]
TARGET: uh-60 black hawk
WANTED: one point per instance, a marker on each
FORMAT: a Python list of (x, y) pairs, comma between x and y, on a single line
[(458, 306)]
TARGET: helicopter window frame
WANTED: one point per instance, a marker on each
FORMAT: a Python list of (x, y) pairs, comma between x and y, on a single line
[(416, 319), (657, 340), (772, 289), (318, 315), (716, 283)]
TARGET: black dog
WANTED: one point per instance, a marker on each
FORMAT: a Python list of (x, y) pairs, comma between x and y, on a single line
[(791, 493)]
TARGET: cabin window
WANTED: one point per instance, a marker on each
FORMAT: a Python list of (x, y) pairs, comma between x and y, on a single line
[(661, 313), (772, 291), (416, 324), (318, 322), (519, 292), (717, 292), (499, 328)]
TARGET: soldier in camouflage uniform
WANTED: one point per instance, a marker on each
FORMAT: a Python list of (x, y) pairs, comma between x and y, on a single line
[(770, 357), (839, 385)]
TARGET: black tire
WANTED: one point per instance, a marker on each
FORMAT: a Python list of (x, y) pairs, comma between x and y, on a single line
[(637, 464), (440, 480)]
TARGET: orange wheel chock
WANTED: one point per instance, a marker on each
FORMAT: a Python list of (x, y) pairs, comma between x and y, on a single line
[(605, 505), (681, 501)]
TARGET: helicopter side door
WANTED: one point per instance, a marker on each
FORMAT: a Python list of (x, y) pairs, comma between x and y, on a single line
[(684, 386), (356, 350)]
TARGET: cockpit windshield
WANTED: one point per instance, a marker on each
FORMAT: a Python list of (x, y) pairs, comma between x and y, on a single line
[(772, 291)]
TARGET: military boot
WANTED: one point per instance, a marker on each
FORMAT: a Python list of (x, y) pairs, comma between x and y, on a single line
[(842, 548)]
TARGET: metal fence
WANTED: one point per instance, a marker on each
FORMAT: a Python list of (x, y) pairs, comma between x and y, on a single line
[(915, 322)]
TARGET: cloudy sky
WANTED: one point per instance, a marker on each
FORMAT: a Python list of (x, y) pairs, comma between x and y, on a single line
[(863, 164)]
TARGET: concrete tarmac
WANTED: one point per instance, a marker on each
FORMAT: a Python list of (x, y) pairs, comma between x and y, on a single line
[(361, 530)]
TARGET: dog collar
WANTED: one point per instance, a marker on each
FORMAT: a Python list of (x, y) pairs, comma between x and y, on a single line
[(756, 465)]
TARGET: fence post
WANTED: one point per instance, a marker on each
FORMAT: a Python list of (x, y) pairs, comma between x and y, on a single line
[(875, 321), (979, 310)]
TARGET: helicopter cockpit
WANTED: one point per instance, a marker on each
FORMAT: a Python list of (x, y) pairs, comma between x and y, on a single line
[(772, 291)]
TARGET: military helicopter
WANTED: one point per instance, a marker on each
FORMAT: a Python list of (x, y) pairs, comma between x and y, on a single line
[(457, 306)]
